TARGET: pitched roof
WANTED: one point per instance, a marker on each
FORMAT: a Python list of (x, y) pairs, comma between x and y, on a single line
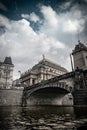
[(46, 62), (8, 61)]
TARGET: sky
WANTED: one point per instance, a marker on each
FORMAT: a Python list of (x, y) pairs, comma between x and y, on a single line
[(30, 29)]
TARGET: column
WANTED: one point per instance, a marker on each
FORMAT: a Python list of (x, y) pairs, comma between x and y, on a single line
[(30, 81), (41, 77)]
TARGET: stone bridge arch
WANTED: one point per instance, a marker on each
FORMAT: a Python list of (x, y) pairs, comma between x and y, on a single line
[(51, 94)]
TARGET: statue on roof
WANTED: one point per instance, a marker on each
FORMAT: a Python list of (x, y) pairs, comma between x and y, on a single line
[(43, 57)]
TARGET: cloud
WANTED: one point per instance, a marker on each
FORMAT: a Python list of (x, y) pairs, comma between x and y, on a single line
[(54, 37), (70, 22), (32, 17), (65, 5), (49, 16), (21, 42), (26, 16), (4, 21), (65, 27)]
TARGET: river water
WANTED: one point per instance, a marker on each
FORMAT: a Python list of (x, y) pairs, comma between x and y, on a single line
[(43, 118)]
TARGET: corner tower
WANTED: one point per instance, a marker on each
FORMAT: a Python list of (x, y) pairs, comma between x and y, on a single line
[(6, 72), (80, 56)]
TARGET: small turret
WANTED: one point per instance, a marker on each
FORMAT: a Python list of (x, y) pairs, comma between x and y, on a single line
[(8, 61), (6, 75)]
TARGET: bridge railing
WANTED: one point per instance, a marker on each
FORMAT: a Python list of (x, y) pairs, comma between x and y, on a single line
[(52, 80)]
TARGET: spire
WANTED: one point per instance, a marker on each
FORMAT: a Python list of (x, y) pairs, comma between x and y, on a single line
[(78, 35), (79, 41)]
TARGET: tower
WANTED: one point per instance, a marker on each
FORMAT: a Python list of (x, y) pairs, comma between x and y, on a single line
[(80, 74), (6, 72), (80, 56)]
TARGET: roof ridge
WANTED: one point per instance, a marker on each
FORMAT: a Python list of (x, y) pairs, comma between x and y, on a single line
[(53, 62)]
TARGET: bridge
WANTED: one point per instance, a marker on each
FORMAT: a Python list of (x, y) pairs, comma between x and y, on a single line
[(60, 85), (57, 88), (54, 90)]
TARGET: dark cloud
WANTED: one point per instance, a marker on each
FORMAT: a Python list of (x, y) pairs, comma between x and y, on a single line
[(83, 7), (80, 5)]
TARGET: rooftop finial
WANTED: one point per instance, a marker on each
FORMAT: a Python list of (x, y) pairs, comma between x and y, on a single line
[(43, 57), (78, 37), (79, 41)]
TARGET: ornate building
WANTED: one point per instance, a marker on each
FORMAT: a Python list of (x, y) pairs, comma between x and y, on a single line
[(80, 56), (6, 72), (44, 70)]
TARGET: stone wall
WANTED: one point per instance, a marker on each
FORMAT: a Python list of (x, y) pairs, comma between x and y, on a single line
[(10, 97), (80, 97)]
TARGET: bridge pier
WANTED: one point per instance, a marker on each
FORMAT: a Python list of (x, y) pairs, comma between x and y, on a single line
[(24, 99), (80, 97), (80, 87)]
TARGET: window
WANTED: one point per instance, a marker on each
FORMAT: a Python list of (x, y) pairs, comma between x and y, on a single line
[(33, 81)]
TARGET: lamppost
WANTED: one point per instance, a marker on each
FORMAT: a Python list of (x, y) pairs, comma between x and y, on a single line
[(71, 61), (20, 76), (19, 72)]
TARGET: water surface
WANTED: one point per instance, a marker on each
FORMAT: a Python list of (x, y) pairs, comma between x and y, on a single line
[(43, 118)]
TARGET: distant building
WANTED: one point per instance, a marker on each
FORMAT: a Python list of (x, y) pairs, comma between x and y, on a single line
[(6, 72), (16, 83), (80, 56), (44, 70)]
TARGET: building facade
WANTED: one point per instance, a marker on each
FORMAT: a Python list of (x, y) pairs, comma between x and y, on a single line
[(80, 56), (6, 73), (44, 70)]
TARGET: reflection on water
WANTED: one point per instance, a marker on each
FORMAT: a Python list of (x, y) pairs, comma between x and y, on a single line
[(80, 112), (42, 118)]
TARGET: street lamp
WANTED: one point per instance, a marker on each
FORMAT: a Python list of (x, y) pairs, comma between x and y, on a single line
[(19, 73), (19, 77), (71, 61)]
